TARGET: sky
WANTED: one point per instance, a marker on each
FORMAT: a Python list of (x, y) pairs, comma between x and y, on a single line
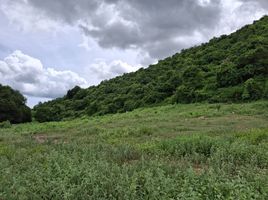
[(49, 46)]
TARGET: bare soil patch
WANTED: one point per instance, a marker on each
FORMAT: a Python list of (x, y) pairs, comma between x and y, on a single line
[(42, 138)]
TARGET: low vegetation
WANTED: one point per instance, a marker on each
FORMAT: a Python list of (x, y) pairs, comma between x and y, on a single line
[(191, 151)]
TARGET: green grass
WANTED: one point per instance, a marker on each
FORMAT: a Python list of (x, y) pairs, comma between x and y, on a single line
[(198, 151)]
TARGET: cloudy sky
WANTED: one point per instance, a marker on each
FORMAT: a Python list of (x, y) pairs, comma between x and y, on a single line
[(49, 46)]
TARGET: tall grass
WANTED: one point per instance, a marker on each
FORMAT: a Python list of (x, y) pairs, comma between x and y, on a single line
[(172, 152)]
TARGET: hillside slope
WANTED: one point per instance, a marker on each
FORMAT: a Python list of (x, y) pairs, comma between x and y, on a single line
[(12, 106), (226, 69)]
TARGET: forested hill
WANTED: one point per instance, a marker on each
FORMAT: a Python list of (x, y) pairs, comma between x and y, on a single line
[(12, 106), (231, 68)]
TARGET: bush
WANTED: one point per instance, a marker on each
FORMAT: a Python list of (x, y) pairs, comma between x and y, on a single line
[(252, 90), (145, 131), (184, 94), (5, 124), (227, 75), (265, 95), (185, 146), (230, 94), (46, 113), (124, 154)]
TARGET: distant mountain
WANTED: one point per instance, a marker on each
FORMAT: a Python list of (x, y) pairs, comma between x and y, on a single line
[(230, 68), (12, 106)]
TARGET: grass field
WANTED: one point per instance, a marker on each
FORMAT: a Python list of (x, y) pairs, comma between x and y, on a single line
[(197, 151)]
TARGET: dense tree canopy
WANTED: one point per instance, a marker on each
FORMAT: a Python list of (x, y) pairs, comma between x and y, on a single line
[(12, 106), (226, 69)]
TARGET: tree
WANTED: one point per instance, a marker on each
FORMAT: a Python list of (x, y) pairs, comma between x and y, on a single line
[(71, 93), (13, 106)]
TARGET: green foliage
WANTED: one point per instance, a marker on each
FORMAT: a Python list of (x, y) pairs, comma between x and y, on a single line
[(43, 114), (73, 92), (5, 124), (217, 71), (184, 151), (228, 75), (266, 90), (13, 106), (252, 90)]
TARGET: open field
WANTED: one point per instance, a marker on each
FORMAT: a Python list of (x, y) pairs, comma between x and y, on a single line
[(194, 151)]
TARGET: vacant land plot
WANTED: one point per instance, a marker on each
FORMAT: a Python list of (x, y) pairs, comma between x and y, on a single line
[(198, 151)]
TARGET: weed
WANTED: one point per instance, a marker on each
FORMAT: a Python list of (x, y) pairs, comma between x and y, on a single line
[(171, 152)]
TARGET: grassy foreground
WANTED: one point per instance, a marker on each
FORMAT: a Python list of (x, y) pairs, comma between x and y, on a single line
[(198, 151)]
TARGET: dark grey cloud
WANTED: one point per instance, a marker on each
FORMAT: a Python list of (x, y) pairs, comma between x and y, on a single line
[(156, 27), (148, 25), (66, 10)]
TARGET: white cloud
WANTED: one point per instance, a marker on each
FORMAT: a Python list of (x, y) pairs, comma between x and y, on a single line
[(28, 75), (237, 13), (102, 70), (26, 18)]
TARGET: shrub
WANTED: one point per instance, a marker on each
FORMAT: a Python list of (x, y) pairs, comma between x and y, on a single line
[(184, 94), (124, 154), (252, 90), (5, 124), (145, 131), (184, 146), (265, 95), (227, 75), (230, 94)]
